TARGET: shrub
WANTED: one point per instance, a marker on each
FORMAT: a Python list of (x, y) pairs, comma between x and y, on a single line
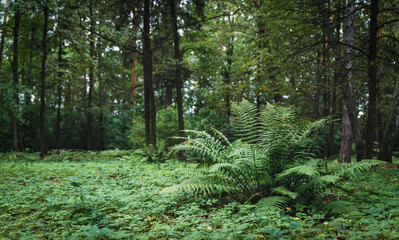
[(272, 158)]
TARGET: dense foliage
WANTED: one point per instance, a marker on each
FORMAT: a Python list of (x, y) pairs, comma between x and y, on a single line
[(105, 195), (98, 74), (164, 81), (272, 160)]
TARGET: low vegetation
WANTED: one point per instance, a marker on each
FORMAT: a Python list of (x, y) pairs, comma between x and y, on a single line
[(94, 196)]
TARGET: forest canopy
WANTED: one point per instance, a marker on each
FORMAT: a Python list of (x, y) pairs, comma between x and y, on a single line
[(96, 75)]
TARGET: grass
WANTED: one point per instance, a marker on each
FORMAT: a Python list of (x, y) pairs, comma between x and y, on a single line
[(105, 196)]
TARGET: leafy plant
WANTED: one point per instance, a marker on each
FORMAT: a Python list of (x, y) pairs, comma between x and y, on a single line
[(267, 140), (272, 159)]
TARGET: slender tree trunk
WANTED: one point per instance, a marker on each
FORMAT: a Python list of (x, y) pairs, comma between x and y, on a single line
[(178, 79), (59, 89), (17, 18), (261, 45), (390, 132), (149, 103), (43, 83), (133, 79), (91, 75), (3, 34), (347, 133), (346, 89), (84, 69), (101, 97), (372, 83), (346, 136)]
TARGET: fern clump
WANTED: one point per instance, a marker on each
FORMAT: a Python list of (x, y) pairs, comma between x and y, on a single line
[(271, 160)]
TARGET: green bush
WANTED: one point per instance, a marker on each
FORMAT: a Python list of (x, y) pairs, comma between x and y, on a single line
[(272, 160)]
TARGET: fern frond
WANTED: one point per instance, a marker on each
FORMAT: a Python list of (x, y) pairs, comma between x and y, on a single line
[(202, 184), (274, 201), (245, 121), (281, 190), (307, 170), (220, 136), (320, 182), (355, 168), (339, 207), (264, 179)]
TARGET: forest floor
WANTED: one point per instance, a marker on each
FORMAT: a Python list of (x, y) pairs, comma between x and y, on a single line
[(107, 196)]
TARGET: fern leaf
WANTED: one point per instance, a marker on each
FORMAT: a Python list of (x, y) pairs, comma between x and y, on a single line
[(202, 184), (339, 207), (307, 170), (355, 168), (320, 182), (274, 201), (285, 192)]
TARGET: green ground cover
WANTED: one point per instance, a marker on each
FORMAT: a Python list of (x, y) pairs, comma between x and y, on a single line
[(107, 196)]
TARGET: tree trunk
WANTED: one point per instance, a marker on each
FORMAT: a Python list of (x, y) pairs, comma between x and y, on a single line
[(133, 79), (43, 83), (168, 92), (59, 89), (346, 89), (178, 80), (149, 104), (100, 92), (389, 137), (345, 151), (3, 34), (91, 74), (347, 135), (261, 45), (17, 18), (372, 82)]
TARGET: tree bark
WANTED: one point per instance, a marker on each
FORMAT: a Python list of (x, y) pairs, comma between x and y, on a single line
[(390, 132), (149, 103), (59, 89), (133, 79), (3, 34), (178, 79), (372, 82), (101, 97), (42, 130), (347, 135), (91, 74), (15, 124)]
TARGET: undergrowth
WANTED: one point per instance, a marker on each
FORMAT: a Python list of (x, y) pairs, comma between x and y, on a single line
[(97, 197)]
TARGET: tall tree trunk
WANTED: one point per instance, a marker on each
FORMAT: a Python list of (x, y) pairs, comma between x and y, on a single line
[(3, 34), (43, 83), (100, 92), (178, 79), (59, 89), (346, 89), (261, 45), (347, 85), (17, 18), (133, 80), (91, 74), (168, 92), (84, 69), (149, 103), (347, 133), (390, 132), (372, 82)]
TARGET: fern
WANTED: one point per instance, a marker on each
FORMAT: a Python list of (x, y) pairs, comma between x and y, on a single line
[(355, 168), (281, 190), (272, 157), (274, 201), (339, 207)]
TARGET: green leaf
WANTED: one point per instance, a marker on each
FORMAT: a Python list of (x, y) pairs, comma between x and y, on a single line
[(75, 184)]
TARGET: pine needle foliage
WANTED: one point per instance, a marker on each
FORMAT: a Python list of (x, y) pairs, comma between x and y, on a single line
[(272, 160)]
